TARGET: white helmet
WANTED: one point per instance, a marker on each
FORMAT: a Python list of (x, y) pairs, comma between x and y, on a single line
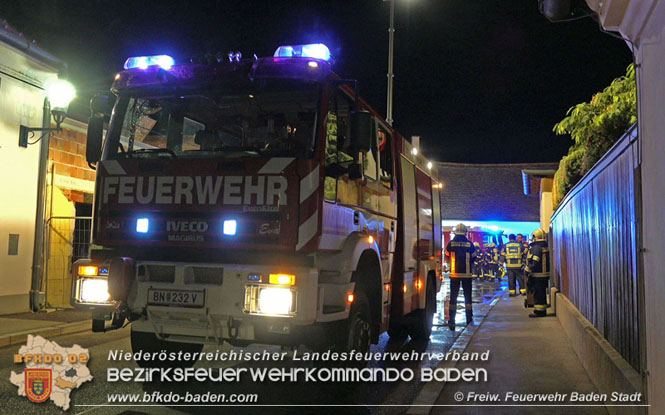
[(539, 235), (460, 229)]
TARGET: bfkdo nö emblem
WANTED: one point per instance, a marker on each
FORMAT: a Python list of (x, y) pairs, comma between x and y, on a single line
[(38, 384)]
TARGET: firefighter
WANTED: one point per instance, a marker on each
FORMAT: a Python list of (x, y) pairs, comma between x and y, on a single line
[(513, 251), (477, 263), (486, 260), (525, 251), (462, 254), (538, 272), (497, 258), (493, 261)]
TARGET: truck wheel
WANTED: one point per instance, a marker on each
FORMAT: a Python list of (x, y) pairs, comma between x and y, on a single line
[(422, 326), (397, 332), (358, 332), (149, 343)]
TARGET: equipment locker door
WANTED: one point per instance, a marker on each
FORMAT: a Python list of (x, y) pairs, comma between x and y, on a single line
[(410, 248)]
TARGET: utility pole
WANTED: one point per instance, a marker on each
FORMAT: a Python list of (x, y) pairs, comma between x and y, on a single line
[(391, 75)]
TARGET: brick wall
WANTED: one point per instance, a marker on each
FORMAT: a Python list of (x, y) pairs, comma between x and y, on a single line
[(67, 153)]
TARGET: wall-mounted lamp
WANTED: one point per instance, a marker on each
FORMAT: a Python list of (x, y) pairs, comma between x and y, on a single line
[(59, 93)]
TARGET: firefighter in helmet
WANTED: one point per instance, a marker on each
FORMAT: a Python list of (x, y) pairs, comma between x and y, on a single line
[(486, 261), (538, 272), (477, 263), (493, 261), (512, 251), (462, 254)]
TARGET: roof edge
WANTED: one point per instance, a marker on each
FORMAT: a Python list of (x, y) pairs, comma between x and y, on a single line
[(16, 40), (495, 165)]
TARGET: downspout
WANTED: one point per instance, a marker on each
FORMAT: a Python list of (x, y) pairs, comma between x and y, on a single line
[(37, 295)]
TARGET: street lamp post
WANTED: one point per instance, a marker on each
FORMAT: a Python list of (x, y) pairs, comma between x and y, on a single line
[(391, 75), (59, 94)]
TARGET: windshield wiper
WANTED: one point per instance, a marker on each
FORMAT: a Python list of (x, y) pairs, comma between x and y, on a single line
[(153, 150)]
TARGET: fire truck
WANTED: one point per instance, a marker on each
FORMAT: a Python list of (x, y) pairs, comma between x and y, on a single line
[(256, 201)]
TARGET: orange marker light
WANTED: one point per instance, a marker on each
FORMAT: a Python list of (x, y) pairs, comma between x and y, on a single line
[(370, 239), (349, 298), (282, 279), (88, 270), (404, 289), (419, 285)]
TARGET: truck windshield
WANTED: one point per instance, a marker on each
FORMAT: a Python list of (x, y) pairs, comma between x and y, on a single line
[(272, 118)]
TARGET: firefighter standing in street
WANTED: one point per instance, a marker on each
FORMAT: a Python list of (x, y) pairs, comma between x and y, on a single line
[(538, 272), (513, 251), (478, 262), (525, 248), (462, 255)]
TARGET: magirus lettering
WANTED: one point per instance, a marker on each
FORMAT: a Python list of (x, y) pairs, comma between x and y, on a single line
[(197, 190)]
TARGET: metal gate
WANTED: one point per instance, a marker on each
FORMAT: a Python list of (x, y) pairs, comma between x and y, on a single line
[(67, 239)]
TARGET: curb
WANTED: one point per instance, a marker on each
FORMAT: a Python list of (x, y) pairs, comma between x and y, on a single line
[(47, 332), (425, 400)]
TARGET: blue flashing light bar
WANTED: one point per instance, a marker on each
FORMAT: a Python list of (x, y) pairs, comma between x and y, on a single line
[(314, 50), (143, 62)]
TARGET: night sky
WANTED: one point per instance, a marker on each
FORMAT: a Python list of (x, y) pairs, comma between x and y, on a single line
[(481, 81)]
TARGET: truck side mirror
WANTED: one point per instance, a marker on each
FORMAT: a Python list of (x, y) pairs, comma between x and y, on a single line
[(361, 131), (93, 148)]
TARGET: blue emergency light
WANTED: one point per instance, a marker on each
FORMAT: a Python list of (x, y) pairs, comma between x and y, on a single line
[(143, 62), (314, 50)]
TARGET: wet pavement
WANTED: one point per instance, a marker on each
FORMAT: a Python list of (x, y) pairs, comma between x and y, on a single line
[(288, 397)]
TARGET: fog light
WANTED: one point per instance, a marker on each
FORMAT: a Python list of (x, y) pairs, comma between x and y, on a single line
[(94, 290), (276, 301)]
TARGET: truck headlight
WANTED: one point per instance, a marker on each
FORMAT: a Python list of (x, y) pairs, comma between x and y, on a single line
[(275, 301), (94, 290), (266, 300)]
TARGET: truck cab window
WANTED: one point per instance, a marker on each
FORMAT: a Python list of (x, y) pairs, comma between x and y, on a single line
[(370, 161), (337, 159), (385, 157)]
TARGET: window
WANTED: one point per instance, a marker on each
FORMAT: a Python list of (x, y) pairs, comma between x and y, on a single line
[(385, 157), (370, 162), (273, 118), (337, 159)]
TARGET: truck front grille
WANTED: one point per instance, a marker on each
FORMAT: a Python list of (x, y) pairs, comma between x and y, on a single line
[(204, 275), (156, 273)]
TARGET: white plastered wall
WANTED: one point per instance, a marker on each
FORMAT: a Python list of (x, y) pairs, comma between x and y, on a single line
[(20, 103)]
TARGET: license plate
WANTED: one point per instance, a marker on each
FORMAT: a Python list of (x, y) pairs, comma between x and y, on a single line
[(180, 298)]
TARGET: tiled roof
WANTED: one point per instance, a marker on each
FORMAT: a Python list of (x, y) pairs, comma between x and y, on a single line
[(483, 192)]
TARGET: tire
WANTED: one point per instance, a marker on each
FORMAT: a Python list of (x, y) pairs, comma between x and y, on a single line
[(397, 332), (422, 326), (150, 343), (357, 331)]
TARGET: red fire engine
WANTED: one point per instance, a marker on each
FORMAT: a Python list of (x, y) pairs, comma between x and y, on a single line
[(256, 201)]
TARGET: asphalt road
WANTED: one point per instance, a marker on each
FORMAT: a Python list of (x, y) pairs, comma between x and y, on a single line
[(279, 397)]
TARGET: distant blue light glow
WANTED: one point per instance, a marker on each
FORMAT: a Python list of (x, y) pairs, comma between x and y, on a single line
[(142, 225), (230, 227), (315, 50), (508, 227), (143, 62)]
